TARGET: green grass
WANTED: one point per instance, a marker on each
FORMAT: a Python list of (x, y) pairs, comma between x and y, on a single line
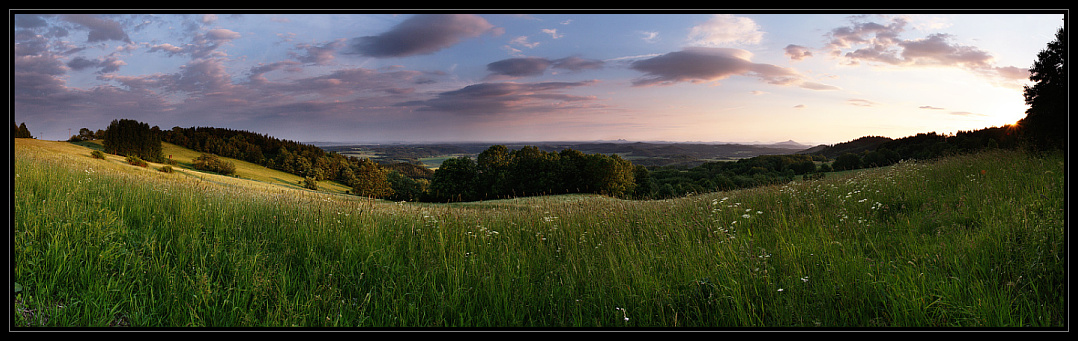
[(966, 241), (184, 159)]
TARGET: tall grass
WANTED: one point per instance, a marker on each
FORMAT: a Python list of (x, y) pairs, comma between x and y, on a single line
[(966, 241)]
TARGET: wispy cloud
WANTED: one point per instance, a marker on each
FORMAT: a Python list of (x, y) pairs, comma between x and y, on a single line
[(861, 102)]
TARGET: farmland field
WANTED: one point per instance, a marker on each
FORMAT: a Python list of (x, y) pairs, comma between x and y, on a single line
[(975, 240)]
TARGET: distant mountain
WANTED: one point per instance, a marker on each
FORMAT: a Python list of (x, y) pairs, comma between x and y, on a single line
[(789, 144)]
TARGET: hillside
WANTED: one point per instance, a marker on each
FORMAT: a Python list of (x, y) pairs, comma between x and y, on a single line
[(856, 146), (973, 240), (184, 164)]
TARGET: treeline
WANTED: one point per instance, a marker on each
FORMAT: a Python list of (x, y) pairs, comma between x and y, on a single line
[(931, 145), (500, 173), (673, 181), (866, 152), (20, 131), (314, 164)]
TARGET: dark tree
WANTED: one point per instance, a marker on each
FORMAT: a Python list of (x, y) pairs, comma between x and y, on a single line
[(611, 175), (406, 188), (455, 180), (493, 172), (213, 163), (644, 186), (1045, 124), (370, 180), (21, 131), (533, 172), (847, 161), (132, 138)]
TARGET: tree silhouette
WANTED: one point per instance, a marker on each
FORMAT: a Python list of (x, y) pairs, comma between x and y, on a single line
[(133, 138), (21, 131), (1045, 124)]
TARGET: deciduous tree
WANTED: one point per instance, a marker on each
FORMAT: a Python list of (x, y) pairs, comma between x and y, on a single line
[(1045, 124)]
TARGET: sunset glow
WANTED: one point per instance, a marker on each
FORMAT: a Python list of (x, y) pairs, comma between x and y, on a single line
[(379, 77)]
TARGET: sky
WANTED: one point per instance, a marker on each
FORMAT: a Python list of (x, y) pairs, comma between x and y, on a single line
[(379, 77)]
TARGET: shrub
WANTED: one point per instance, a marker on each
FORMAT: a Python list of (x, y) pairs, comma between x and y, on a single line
[(97, 154), (310, 183), (847, 161), (213, 163), (135, 160), (166, 169)]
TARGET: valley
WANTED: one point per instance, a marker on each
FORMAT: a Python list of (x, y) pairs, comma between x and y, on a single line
[(640, 153)]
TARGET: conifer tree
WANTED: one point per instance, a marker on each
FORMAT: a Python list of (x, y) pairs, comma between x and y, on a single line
[(132, 138)]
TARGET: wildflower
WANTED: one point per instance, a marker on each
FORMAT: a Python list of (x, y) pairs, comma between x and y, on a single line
[(746, 216), (780, 289), (804, 279)]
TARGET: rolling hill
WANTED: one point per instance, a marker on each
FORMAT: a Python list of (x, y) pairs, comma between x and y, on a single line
[(184, 163)]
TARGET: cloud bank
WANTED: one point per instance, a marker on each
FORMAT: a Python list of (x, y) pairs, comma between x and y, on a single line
[(875, 43)]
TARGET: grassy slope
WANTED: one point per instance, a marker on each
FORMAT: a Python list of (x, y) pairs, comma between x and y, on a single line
[(966, 241), (184, 157)]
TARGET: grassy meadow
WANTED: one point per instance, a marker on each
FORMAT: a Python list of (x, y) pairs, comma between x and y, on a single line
[(965, 241)]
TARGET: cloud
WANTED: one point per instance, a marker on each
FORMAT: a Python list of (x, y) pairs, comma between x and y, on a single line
[(724, 29), (105, 65), (692, 64), (502, 98), (865, 33), (167, 48), (100, 29), (552, 32), (818, 86), (578, 64), (937, 50), (861, 102), (534, 66), (966, 113), (519, 67), (929, 107), (203, 45), (797, 52), (649, 36), (709, 64), (421, 34), (878, 43), (317, 54)]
